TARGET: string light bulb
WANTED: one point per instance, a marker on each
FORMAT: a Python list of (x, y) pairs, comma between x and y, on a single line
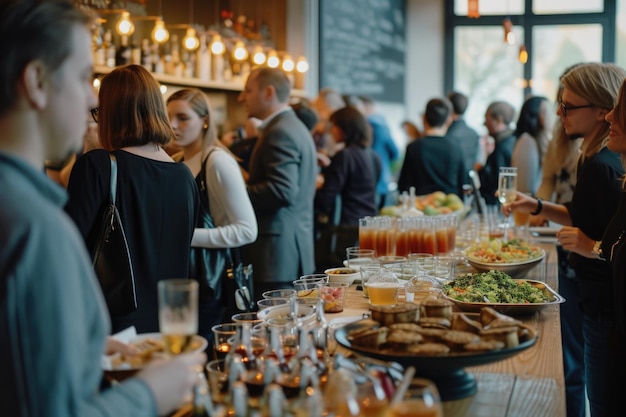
[(159, 33), (124, 25), (302, 65), (523, 54), (509, 36), (217, 45), (240, 53), (259, 56), (272, 60), (191, 41), (288, 64)]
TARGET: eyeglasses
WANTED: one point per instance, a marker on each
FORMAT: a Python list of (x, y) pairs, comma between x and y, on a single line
[(565, 108), (94, 114)]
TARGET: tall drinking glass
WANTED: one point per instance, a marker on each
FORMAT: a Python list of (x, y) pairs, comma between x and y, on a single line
[(178, 313), (507, 188)]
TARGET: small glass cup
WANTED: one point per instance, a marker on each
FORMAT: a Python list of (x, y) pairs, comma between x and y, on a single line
[(366, 272), (357, 256), (282, 293), (248, 317), (222, 333), (445, 268), (421, 399), (270, 302), (334, 296), (383, 288), (307, 285), (218, 380), (421, 287), (391, 259)]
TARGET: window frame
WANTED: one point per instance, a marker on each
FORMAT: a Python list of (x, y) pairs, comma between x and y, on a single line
[(607, 19)]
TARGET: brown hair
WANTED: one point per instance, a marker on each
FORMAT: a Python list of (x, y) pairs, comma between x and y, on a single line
[(131, 110), (619, 114), (274, 77), (34, 30)]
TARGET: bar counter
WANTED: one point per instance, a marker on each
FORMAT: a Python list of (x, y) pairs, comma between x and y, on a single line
[(530, 383)]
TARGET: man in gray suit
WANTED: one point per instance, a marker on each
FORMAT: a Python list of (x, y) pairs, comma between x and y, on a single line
[(281, 184)]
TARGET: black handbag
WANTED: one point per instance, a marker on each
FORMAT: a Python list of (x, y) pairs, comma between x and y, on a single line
[(111, 258), (217, 269)]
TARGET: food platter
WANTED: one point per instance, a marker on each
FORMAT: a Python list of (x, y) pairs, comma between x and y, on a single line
[(514, 309), (114, 369), (514, 269), (448, 372)]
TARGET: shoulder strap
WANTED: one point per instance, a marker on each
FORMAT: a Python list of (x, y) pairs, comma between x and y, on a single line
[(113, 177), (201, 180)]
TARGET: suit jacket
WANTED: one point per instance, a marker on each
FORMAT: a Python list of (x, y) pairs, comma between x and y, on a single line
[(282, 188), (468, 141), (500, 157)]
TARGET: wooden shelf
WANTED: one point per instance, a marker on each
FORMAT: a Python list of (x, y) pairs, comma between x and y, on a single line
[(235, 86)]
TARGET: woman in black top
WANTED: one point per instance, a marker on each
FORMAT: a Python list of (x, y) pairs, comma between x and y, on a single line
[(589, 93)]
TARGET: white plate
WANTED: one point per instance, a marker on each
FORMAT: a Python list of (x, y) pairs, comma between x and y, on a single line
[(198, 344), (544, 231)]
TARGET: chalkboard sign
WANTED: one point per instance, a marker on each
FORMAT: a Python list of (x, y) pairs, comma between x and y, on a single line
[(362, 48)]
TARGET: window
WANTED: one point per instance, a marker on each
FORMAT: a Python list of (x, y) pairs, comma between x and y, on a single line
[(555, 33)]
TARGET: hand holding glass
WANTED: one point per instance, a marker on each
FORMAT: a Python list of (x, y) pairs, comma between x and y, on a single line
[(507, 190), (178, 313)]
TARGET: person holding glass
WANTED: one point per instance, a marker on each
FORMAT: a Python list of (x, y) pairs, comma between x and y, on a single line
[(157, 198), (589, 93), (53, 319), (235, 223)]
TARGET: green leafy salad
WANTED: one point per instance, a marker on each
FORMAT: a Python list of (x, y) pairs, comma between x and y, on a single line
[(494, 287)]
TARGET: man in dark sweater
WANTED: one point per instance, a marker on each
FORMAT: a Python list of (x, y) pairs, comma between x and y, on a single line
[(435, 162)]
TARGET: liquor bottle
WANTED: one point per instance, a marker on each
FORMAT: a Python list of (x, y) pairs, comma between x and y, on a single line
[(158, 62), (122, 55), (109, 49), (228, 71), (189, 64), (135, 52), (168, 67), (99, 57), (203, 60), (146, 55), (177, 67)]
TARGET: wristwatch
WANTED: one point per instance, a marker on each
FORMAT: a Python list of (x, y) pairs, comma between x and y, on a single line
[(597, 250)]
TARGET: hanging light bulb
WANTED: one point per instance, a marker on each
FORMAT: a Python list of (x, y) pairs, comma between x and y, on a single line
[(259, 56), (509, 36), (523, 54), (272, 60), (302, 65), (288, 64), (240, 53), (159, 33), (217, 45), (191, 41), (472, 9), (124, 25)]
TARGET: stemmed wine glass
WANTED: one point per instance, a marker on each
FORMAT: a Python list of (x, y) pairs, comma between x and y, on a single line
[(507, 189)]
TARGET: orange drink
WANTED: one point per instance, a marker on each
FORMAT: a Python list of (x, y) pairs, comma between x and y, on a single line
[(415, 408), (383, 293), (520, 218)]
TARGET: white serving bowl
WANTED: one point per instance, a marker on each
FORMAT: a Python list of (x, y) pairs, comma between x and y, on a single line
[(342, 274)]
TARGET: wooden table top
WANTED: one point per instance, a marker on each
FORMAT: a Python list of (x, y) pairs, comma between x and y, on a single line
[(528, 384)]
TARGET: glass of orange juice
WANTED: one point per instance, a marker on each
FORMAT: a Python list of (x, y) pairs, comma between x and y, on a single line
[(421, 400)]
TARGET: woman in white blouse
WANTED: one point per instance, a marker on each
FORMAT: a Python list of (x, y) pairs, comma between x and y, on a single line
[(230, 207)]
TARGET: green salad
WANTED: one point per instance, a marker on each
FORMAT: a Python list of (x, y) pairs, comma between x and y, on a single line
[(494, 287)]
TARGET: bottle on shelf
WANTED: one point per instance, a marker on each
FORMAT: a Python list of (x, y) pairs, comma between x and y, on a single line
[(99, 57), (122, 55), (158, 62), (146, 55), (109, 49), (135, 52), (203, 60)]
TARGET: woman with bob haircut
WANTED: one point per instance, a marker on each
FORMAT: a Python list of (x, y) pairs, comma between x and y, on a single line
[(156, 197)]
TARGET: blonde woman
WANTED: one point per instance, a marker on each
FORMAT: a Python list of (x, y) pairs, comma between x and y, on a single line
[(195, 133)]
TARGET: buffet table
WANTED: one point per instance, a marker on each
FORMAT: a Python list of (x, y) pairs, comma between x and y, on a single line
[(528, 384)]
